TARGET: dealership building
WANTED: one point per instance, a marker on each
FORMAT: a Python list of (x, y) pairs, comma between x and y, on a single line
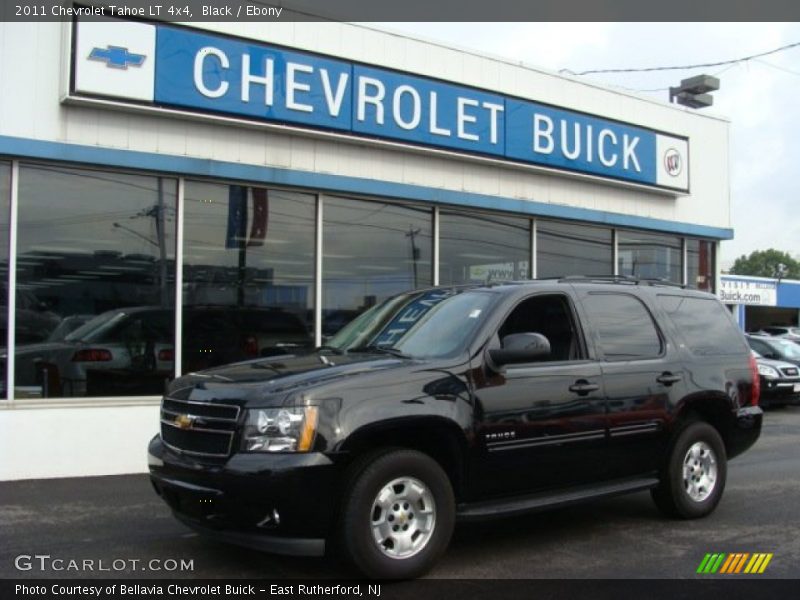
[(176, 197)]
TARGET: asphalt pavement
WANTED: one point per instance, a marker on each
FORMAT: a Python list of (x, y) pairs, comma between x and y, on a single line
[(114, 521)]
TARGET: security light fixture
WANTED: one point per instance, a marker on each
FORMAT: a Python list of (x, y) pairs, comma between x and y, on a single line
[(693, 92)]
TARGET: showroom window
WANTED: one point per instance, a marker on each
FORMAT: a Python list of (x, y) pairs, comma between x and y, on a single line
[(650, 255), (700, 264), (95, 283), (477, 248), (573, 249), (248, 273), (371, 250), (5, 199)]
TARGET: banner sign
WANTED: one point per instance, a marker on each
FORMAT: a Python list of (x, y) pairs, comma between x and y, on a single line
[(171, 67), (742, 291)]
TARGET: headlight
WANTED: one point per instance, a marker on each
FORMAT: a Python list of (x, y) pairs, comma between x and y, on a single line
[(767, 372), (280, 429)]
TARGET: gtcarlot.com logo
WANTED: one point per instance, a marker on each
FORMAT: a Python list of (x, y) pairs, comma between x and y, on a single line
[(46, 562), (734, 563)]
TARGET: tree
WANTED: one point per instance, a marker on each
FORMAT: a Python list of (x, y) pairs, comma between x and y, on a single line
[(765, 263)]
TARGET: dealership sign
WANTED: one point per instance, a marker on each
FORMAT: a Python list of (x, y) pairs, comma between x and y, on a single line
[(748, 291), (171, 67)]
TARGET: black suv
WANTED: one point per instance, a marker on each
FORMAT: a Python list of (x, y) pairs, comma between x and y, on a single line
[(457, 404)]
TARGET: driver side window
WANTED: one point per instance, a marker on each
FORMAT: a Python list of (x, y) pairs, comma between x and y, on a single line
[(551, 316)]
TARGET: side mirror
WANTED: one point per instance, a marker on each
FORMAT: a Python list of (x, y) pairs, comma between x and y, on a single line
[(521, 348)]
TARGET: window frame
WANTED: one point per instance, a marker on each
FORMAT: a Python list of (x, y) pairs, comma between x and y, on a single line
[(10, 399), (444, 211), (583, 346)]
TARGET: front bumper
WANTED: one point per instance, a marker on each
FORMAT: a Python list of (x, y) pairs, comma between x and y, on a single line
[(282, 503), (781, 391)]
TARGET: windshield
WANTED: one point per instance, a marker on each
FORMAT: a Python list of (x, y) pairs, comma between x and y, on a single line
[(786, 349), (431, 324), (67, 326), (91, 330)]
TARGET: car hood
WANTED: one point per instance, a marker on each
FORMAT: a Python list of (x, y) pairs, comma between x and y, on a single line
[(272, 380), (779, 364)]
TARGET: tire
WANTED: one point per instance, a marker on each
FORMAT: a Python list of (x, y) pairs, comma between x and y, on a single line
[(398, 514), (694, 477)]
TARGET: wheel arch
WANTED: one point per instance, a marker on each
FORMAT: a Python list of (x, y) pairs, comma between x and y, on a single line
[(441, 439), (712, 408)]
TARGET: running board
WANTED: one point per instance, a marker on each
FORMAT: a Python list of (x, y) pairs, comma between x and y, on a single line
[(506, 507)]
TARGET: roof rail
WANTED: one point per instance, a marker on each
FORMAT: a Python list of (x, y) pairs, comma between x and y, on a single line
[(630, 280)]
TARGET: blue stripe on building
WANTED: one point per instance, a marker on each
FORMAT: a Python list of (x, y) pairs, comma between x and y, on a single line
[(183, 165)]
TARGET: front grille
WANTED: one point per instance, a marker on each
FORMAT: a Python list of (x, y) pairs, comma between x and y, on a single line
[(790, 371), (198, 428)]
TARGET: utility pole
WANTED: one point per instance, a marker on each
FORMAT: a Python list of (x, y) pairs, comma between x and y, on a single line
[(415, 254), (162, 246)]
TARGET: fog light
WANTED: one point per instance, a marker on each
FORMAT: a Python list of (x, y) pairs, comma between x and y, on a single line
[(271, 521)]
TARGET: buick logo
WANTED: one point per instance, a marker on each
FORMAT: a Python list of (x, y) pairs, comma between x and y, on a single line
[(673, 162), (184, 421)]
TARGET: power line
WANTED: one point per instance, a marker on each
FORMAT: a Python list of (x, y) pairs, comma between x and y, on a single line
[(779, 68), (684, 67), (666, 89)]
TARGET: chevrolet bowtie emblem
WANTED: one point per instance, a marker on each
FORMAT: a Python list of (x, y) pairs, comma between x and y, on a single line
[(117, 57), (184, 421)]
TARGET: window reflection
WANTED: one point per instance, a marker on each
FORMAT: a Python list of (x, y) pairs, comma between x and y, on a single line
[(95, 283), (650, 255), (372, 250), (476, 248), (572, 249), (624, 326), (700, 264), (248, 273)]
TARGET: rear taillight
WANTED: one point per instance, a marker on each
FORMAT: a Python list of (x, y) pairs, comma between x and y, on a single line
[(755, 389), (167, 355), (92, 355), (250, 346)]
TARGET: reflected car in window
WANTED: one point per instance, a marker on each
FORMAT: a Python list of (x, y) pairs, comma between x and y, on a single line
[(35, 320), (130, 351)]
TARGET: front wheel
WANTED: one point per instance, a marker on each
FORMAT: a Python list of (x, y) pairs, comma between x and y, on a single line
[(398, 515), (694, 476)]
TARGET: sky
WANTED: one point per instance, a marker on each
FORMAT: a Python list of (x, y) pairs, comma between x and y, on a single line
[(761, 97)]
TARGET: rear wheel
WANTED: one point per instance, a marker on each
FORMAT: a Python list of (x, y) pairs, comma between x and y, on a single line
[(694, 477), (398, 515)]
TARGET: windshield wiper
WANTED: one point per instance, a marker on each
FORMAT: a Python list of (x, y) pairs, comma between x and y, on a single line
[(383, 349), (333, 349)]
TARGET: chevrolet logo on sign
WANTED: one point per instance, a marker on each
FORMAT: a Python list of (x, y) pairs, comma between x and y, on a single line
[(184, 421), (117, 57)]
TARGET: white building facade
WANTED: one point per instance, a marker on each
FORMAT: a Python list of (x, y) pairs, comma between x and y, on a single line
[(176, 197)]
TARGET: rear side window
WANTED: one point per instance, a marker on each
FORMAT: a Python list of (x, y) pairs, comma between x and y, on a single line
[(624, 326), (705, 327)]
